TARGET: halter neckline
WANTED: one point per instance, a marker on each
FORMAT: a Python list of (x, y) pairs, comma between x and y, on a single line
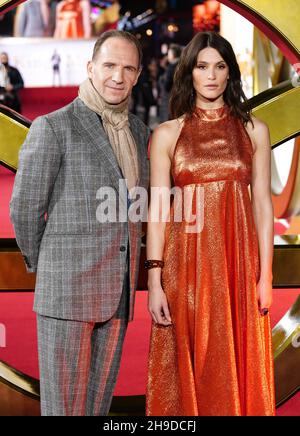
[(212, 114)]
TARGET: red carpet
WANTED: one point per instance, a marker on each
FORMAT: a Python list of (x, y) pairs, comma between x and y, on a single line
[(40, 101)]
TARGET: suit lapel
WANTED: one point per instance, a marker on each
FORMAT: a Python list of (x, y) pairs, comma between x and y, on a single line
[(90, 128)]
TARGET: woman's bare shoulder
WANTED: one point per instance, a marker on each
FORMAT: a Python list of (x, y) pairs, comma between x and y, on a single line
[(171, 127), (256, 126), (166, 134), (257, 129)]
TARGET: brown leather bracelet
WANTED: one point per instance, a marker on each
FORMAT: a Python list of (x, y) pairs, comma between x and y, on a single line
[(153, 264)]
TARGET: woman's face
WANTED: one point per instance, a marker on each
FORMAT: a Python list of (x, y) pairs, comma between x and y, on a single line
[(210, 76)]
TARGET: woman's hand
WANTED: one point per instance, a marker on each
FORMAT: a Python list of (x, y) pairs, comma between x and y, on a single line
[(264, 295), (158, 306)]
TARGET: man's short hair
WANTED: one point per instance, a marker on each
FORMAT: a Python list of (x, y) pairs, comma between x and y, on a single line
[(118, 34)]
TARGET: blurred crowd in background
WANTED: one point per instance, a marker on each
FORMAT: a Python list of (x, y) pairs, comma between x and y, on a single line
[(60, 19), (163, 28)]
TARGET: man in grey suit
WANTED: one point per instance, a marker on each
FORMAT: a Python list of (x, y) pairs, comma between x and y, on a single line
[(86, 262)]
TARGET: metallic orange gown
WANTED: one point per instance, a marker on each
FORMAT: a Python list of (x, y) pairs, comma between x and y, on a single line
[(216, 358)]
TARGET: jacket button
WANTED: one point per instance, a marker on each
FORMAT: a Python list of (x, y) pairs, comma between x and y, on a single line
[(122, 248)]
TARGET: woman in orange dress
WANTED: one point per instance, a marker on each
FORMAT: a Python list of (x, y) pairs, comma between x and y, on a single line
[(210, 272)]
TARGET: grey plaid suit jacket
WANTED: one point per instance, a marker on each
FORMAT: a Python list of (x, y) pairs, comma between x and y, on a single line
[(80, 262)]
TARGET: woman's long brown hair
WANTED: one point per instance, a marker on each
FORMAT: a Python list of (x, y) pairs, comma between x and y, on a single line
[(183, 98)]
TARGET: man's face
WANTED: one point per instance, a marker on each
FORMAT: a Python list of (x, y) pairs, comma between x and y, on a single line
[(115, 70)]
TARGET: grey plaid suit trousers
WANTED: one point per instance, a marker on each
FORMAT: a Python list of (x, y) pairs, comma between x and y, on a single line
[(79, 362)]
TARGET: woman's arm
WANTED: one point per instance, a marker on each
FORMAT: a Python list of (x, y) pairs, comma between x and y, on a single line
[(263, 209), (162, 145)]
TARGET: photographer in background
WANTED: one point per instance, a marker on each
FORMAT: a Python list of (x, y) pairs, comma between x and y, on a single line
[(10, 83)]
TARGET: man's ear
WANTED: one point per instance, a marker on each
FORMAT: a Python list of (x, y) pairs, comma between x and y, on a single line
[(90, 67)]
